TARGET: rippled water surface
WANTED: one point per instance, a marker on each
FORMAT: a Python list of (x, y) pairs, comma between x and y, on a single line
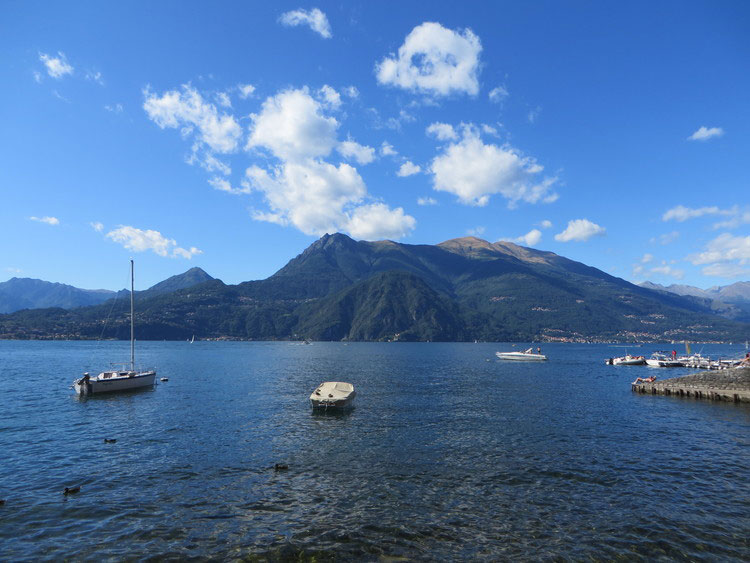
[(449, 455)]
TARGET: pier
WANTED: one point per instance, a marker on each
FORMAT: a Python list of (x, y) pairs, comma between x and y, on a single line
[(732, 385)]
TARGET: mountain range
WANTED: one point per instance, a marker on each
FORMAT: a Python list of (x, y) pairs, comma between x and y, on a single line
[(729, 301), (28, 293), (737, 292), (462, 289)]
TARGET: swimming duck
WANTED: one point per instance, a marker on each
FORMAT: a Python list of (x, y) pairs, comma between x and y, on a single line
[(110, 440), (280, 467), (71, 490)]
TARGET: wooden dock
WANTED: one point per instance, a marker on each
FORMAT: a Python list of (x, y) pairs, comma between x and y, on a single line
[(731, 385)]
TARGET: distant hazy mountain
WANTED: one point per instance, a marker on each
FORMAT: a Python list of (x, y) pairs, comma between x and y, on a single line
[(27, 293), (461, 289), (736, 292)]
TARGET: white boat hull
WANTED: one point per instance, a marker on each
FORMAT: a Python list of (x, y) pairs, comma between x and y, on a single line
[(664, 363), (126, 382), (521, 356), (333, 395), (626, 361)]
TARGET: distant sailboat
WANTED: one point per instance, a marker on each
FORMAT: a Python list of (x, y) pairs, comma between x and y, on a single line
[(192, 339), (118, 380)]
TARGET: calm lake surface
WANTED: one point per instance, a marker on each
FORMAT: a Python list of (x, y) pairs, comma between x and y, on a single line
[(449, 455)]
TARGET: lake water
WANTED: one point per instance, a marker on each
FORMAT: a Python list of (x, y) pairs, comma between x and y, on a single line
[(449, 455)]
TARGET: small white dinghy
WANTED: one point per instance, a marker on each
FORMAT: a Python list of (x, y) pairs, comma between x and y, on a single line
[(333, 395), (525, 356)]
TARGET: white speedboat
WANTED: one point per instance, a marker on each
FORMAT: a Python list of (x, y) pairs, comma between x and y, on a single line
[(525, 356), (333, 395), (626, 360), (118, 379), (662, 360)]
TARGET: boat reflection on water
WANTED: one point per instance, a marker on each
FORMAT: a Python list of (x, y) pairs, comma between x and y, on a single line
[(120, 395)]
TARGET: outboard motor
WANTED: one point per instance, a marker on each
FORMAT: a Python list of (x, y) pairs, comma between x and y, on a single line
[(85, 384)]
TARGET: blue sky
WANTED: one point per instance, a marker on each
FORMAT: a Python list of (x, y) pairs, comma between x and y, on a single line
[(232, 135)]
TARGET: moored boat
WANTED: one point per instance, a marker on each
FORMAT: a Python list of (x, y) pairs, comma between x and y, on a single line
[(333, 395), (525, 356), (118, 379), (626, 360), (663, 360)]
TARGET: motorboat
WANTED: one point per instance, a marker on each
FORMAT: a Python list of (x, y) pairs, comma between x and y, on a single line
[(333, 395), (127, 378), (626, 360), (663, 360), (527, 355)]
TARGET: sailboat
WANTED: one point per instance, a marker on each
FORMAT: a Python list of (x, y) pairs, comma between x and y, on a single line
[(118, 380)]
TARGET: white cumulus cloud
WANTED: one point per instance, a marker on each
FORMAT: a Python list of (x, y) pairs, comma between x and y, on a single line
[(223, 185), (442, 131), (330, 96), (681, 213), (725, 248), (47, 220), (426, 201), (580, 230), (314, 19), (188, 111), (725, 270), (434, 60), (739, 218), (317, 197), (139, 240), (408, 168), (474, 171), (246, 90), (498, 94), (529, 239), (58, 66), (97, 226), (292, 126), (706, 133), (354, 151), (305, 191), (386, 149), (377, 220)]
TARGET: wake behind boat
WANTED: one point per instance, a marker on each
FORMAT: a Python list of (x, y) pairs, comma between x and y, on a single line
[(333, 395), (525, 356), (122, 379)]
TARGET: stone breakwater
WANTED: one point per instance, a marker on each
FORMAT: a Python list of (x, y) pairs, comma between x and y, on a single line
[(731, 385)]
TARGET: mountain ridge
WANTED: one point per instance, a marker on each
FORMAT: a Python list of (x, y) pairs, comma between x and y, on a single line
[(461, 289), (31, 293)]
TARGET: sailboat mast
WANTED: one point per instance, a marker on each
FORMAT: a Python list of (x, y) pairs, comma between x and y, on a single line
[(132, 331)]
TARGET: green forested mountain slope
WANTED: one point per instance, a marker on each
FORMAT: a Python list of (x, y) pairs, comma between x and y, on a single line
[(462, 289)]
